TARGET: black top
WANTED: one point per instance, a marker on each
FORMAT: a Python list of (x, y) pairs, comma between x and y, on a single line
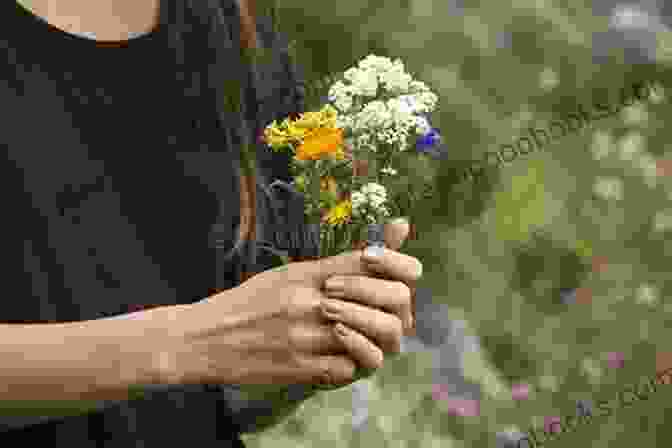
[(109, 202)]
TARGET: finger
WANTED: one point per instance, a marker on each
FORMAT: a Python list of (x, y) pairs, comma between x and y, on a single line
[(387, 295), (383, 329), (396, 232), (317, 339), (363, 351), (392, 264), (330, 370)]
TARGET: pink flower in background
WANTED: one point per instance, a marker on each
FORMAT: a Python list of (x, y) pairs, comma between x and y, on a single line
[(599, 263), (664, 167), (520, 391), (439, 392), (464, 408), (584, 296), (552, 424), (615, 360)]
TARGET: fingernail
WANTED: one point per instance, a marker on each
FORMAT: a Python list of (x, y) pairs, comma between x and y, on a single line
[(330, 306), (340, 329), (372, 254), (334, 284)]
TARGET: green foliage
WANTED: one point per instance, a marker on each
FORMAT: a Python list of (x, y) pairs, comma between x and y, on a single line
[(500, 249)]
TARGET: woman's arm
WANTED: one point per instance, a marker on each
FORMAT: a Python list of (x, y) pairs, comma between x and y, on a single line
[(71, 368)]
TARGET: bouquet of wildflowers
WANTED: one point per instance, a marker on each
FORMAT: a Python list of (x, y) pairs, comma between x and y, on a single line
[(347, 155)]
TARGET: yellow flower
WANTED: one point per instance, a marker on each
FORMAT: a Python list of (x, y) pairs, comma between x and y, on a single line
[(325, 118), (297, 132), (339, 214), (322, 142)]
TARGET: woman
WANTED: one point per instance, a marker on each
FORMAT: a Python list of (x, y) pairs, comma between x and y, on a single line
[(128, 300)]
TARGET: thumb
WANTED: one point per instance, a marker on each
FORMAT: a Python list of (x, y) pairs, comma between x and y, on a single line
[(396, 232)]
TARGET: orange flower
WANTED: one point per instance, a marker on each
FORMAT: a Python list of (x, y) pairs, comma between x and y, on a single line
[(322, 142)]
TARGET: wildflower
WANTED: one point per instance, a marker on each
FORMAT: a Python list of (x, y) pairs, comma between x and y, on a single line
[(389, 171), (340, 214), (431, 144), (322, 142), (275, 136), (631, 145), (552, 424), (520, 391), (647, 294), (464, 407), (662, 221), (609, 188), (615, 360)]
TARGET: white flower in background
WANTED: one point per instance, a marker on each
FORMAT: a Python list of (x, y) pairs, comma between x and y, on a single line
[(647, 295), (635, 114), (549, 382), (608, 188), (662, 221), (548, 79), (631, 145), (657, 93), (389, 171), (602, 144), (649, 167), (592, 369)]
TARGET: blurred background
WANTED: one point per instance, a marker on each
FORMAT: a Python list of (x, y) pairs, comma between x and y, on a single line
[(546, 283)]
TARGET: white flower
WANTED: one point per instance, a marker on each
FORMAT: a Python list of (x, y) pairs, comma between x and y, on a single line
[(631, 145), (364, 82), (378, 64), (662, 221), (601, 145), (548, 79), (635, 114), (591, 368), (371, 196), (427, 101), (341, 96), (549, 382), (418, 87), (396, 80), (422, 126), (647, 295), (389, 171), (402, 112), (649, 167), (657, 93), (374, 115), (608, 188)]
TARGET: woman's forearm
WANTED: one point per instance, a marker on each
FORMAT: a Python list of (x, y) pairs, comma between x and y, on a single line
[(62, 369)]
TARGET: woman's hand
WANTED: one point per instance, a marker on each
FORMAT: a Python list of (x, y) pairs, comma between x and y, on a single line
[(272, 328)]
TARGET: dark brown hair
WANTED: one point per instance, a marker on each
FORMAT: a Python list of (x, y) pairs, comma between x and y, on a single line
[(208, 37)]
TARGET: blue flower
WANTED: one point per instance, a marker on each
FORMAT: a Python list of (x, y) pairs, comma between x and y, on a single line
[(432, 144)]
